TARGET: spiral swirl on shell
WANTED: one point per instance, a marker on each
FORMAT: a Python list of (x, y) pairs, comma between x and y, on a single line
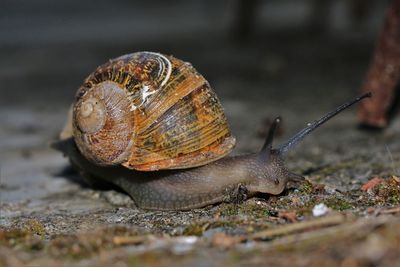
[(149, 111)]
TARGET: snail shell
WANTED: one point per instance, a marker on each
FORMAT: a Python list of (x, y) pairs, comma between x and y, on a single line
[(148, 111)]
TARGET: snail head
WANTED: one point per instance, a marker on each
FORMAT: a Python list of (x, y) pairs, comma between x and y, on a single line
[(272, 175)]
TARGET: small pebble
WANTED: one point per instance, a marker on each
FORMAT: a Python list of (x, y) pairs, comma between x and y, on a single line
[(116, 198), (320, 210), (183, 245), (330, 189)]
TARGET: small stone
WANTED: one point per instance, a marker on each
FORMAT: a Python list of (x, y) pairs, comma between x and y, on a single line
[(116, 198), (330, 189), (320, 210), (183, 245)]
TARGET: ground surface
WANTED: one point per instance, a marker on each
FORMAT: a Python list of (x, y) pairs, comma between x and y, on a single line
[(50, 217)]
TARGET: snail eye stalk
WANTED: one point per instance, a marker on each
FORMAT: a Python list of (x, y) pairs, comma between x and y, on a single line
[(297, 138), (267, 147)]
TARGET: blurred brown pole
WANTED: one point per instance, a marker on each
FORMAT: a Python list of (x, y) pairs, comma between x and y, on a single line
[(319, 16), (244, 20), (384, 72), (359, 10)]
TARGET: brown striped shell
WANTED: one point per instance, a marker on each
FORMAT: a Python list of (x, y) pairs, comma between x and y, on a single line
[(148, 111)]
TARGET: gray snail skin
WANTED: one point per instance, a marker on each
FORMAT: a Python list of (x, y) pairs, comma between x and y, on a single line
[(182, 163)]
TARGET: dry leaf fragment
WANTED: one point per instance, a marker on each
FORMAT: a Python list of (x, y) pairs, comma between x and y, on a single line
[(397, 179), (371, 184), (129, 240), (225, 241), (290, 216)]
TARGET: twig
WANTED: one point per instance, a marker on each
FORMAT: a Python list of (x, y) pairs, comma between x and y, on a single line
[(129, 240), (389, 211), (345, 231), (299, 227)]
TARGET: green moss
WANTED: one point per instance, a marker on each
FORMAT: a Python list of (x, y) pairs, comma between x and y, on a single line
[(254, 210), (245, 209), (394, 199), (35, 227), (306, 188), (194, 229), (228, 210), (385, 193), (338, 203), (283, 202), (335, 203), (311, 203), (198, 229), (307, 207), (388, 192), (20, 238)]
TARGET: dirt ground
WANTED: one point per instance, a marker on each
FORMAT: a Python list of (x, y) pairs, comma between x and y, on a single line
[(50, 217)]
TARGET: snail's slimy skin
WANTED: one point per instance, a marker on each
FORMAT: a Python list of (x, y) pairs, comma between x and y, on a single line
[(213, 183)]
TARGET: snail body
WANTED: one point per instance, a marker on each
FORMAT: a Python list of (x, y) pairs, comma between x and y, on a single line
[(229, 179), (152, 125)]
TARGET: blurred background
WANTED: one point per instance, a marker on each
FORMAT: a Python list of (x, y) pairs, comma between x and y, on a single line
[(262, 57)]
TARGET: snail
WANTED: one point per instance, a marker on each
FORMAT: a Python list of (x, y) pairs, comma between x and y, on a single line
[(151, 124)]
